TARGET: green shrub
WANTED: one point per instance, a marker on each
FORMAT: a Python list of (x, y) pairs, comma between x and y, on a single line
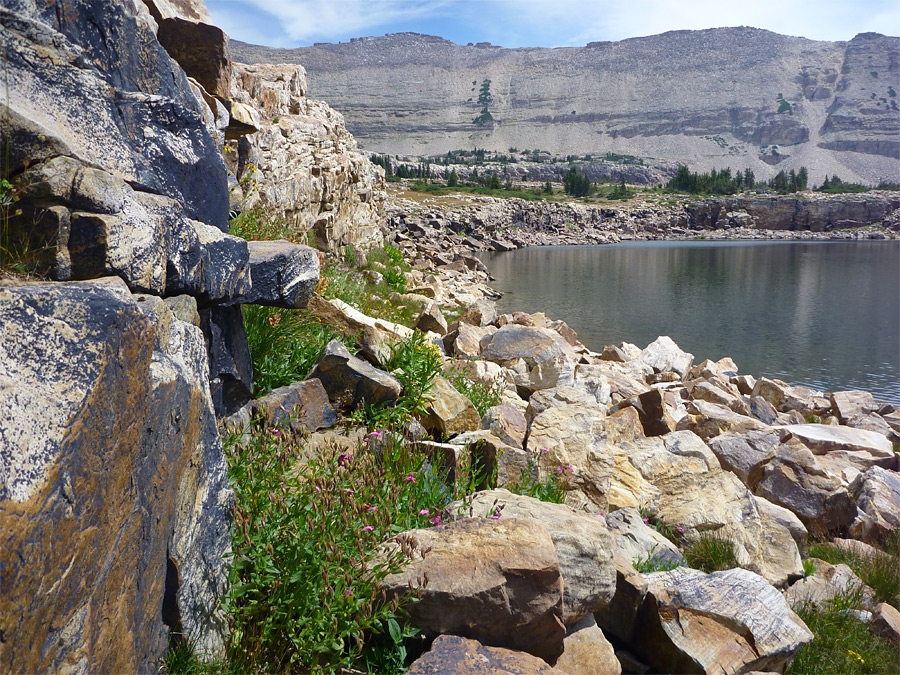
[(304, 580), (710, 552), (285, 344), (653, 563), (551, 489)]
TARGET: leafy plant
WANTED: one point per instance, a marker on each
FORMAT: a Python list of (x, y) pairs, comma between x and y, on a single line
[(551, 489), (710, 552), (653, 563), (809, 567), (483, 395), (285, 344)]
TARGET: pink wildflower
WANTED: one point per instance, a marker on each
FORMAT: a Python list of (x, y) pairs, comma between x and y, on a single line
[(544, 451), (436, 520), (349, 491), (316, 488), (411, 478), (368, 528), (348, 593), (423, 512), (496, 516), (371, 508), (646, 521), (277, 432)]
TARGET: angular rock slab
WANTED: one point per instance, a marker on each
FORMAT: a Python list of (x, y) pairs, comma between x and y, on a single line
[(497, 582), (583, 544), (282, 274), (349, 380), (663, 355), (587, 651), (448, 412), (725, 622), (113, 485), (636, 541), (454, 655), (304, 404), (877, 496), (859, 447)]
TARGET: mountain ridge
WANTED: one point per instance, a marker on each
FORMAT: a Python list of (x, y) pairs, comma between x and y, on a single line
[(740, 97)]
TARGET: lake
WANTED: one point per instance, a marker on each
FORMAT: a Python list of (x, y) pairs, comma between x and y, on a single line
[(821, 314)]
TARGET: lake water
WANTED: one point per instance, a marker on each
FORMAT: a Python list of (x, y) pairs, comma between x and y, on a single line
[(822, 314)]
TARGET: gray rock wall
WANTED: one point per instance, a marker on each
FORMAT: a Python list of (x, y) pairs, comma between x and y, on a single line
[(707, 98)]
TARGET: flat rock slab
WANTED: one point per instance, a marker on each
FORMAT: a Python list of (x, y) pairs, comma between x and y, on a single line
[(725, 622), (454, 655), (824, 438), (583, 544), (282, 274), (587, 651), (496, 581)]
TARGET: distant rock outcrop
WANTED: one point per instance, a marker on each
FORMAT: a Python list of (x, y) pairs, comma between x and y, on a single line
[(739, 97)]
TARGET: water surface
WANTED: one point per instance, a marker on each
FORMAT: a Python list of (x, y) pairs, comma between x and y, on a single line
[(821, 314)]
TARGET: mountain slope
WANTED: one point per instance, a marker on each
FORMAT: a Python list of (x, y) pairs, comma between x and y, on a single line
[(710, 98)]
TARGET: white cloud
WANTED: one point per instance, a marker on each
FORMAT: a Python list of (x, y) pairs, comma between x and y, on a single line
[(543, 23)]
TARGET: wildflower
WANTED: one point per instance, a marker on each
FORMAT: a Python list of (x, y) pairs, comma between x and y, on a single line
[(681, 528), (348, 593), (411, 478), (349, 491), (316, 488), (496, 516), (371, 508), (856, 655), (277, 432), (376, 434), (423, 512), (646, 521), (436, 520), (345, 459), (544, 451), (368, 528)]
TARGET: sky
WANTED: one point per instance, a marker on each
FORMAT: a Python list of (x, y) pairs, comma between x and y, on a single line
[(541, 23)]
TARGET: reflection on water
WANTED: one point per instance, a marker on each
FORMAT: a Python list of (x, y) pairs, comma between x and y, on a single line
[(821, 314)]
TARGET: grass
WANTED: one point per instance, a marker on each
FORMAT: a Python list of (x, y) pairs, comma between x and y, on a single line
[(842, 643), (285, 344), (710, 552), (880, 572), (483, 395)]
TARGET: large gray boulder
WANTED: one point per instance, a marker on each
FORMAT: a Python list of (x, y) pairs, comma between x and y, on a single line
[(127, 471), (495, 581), (725, 622), (663, 355), (877, 496), (583, 544), (126, 108), (282, 274)]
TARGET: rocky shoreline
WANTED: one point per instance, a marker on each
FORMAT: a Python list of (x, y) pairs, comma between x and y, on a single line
[(469, 223)]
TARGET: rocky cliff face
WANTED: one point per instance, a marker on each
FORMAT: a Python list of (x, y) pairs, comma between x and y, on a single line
[(303, 164), (739, 97)]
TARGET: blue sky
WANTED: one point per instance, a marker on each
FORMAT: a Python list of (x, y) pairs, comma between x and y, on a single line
[(541, 23)]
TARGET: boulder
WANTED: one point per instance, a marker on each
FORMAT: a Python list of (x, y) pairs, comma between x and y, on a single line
[(302, 405), (846, 404), (793, 479), (282, 274), (508, 464), (544, 399), (532, 344), (619, 617), (572, 441), (587, 651), (708, 420), (431, 320), (200, 49), (706, 391), (495, 581), (583, 544), (468, 340), (373, 339), (349, 381), (663, 355), (745, 454), (127, 470), (726, 622), (856, 447), (826, 583), (679, 482), (877, 496), (448, 412), (886, 623), (454, 655), (785, 518), (636, 541), (613, 353), (481, 313), (762, 410), (655, 412), (131, 113), (783, 397), (592, 379), (507, 422)]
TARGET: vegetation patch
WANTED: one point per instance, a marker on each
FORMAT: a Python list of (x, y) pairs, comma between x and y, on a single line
[(710, 552)]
